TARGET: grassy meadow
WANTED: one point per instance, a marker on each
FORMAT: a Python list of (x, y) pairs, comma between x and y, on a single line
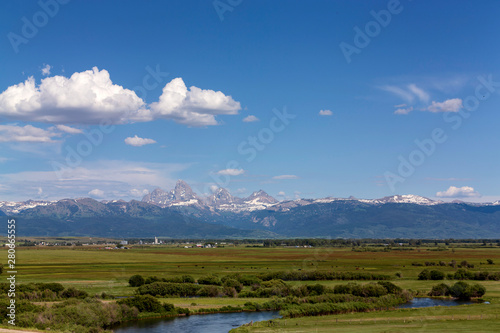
[(96, 270)]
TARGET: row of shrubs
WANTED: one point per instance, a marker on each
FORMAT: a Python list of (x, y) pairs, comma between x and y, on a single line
[(44, 291), (378, 289), (248, 280), (321, 275), (292, 306), (138, 280), (461, 290), (453, 263), (460, 274), (266, 289), (362, 304)]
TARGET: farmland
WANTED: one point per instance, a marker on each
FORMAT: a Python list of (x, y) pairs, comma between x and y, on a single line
[(96, 270)]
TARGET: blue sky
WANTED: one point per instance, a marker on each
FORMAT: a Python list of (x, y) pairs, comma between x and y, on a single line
[(299, 98)]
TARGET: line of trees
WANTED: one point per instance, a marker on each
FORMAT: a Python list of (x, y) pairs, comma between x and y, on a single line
[(460, 274), (461, 290)]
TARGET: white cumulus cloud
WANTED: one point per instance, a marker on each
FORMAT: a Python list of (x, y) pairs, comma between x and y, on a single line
[(87, 97), (137, 141), (458, 192), (325, 113), (90, 97), (231, 172), (250, 119), (46, 70), (450, 105), (193, 106)]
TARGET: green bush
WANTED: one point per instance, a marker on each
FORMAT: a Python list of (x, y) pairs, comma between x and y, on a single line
[(136, 280), (367, 290), (169, 289), (461, 290), (437, 275), (209, 291), (229, 291), (55, 287), (390, 287), (431, 275), (317, 289), (210, 279), (151, 279), (74, 293), (146, 303), (234, 284), (474, 291), (440, 290)]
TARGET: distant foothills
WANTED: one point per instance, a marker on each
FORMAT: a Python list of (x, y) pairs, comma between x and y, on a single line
[(181, 213)]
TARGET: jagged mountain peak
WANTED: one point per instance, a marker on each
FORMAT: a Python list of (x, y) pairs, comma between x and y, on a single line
[(183, 191), (158, 197), (261, 196), (221, 196), (181, 184)]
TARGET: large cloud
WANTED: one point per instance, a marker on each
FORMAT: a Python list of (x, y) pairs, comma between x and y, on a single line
[(193, 107), (87, 98), (90, 97), (458, 192)]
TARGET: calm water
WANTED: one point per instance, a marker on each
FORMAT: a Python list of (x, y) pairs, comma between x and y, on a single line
[(209, 323), (426, 302), (224, 322)]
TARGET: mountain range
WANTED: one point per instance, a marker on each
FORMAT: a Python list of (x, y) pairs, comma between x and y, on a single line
[(181, 213)]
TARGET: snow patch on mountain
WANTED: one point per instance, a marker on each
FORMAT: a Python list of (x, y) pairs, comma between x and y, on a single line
[(9, 207)]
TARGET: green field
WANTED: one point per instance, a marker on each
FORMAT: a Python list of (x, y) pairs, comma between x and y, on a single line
[(98, 270)]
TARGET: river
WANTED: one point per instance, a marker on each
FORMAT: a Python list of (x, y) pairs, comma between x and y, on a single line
[(209, 323), (224, 322), (426, 302)]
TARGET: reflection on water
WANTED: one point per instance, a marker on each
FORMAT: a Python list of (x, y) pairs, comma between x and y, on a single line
[(210, 323), (426, 302)]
